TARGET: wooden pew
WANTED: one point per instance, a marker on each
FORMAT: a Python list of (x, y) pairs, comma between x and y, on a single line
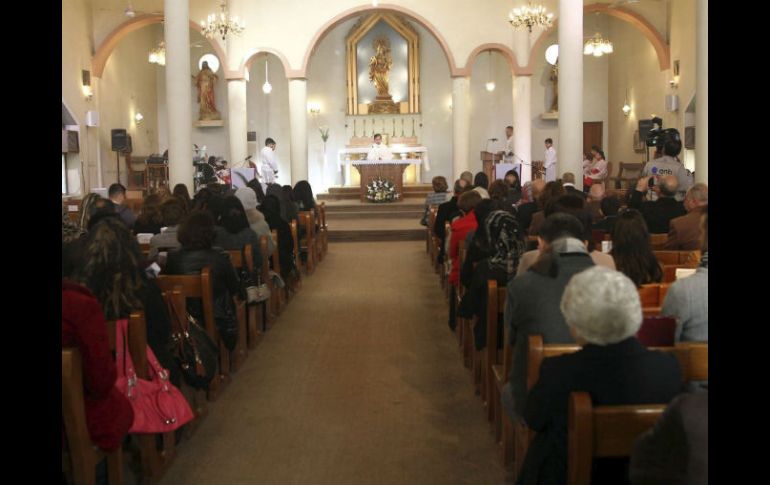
[(196, 397), (270, 308), (603, 431), (275, 264), (697, 360), (496, 297), (652, 297), (307, 244), (82, 455), (241, 347), (658, 241), (297, 284), (323, 233), (443, 275), (199, 286), (503, 423), (154, 462), (460, 322)]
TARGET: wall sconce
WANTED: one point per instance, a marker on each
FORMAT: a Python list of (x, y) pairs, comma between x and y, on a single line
[(674, 82), (314, 107), (88, 91), (138, 117), (626, 107)]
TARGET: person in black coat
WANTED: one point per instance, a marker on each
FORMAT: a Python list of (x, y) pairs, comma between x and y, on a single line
[(197, 234), (446, 212), (658, 214), (568, 181), (603, 311), (610, 205), (525, 210), (271, 207)]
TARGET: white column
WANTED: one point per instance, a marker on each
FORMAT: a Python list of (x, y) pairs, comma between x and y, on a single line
[(461, 124), (570, 145), (237, 121), (522, 124), (702, 91), (178, 92), (298, 127), (99, 169)]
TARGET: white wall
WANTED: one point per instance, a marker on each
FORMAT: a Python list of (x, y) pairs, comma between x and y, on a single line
[(268, 114), (128, 86), (216, 139), (492, 111), (595, 88)]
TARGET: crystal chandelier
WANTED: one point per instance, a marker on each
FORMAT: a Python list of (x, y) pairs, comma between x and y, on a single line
[(221, 24), (597, 46), (530, 16), (158, 55)]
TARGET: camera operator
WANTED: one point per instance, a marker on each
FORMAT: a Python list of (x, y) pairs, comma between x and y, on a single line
[(669, 163)]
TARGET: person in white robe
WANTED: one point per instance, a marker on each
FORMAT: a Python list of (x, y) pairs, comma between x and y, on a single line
[(549, 161), (508, 154), (379, 151), (268, 164)]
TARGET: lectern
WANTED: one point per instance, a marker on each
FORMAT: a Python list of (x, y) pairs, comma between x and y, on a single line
[(488, 161)]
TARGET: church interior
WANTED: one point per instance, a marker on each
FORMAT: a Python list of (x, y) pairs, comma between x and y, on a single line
[(330, 183)]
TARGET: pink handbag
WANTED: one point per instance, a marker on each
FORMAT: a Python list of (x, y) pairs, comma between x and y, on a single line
[(159, 407)]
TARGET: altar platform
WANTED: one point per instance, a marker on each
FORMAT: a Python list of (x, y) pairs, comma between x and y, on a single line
[(354, 221), (353, 193)]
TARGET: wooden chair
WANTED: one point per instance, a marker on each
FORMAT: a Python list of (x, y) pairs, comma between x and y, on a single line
[(503, 423), (82, 455), (603, 431), (307, 244), (199, 286), (628, 173), (241, 351), (154, 462)]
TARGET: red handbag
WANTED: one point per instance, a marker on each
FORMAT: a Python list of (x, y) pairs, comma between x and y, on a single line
[(159, 407)]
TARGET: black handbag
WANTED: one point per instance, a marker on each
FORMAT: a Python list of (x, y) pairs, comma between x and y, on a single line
[(194, 351)]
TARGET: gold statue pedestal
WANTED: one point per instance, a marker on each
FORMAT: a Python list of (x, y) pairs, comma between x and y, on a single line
[(384, 105)]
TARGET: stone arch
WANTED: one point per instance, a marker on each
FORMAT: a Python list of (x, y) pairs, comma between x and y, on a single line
[(99, 61), (506, 52), (662, 49), (355, 11), (252, 55)]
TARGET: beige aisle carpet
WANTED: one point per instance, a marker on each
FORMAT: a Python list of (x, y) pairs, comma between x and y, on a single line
[(359, 382)]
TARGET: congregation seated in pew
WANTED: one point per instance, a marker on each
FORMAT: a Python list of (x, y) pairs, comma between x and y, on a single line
[(534, 297), (172, 212), (445, 213), (233, 230), (271, 207), (439, 195), (150, 219), (196, 236), (256, 219), (602, 310), (459, 230)]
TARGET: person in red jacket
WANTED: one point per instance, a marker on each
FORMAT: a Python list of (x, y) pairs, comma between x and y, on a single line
[(108, 413), (459, 230)]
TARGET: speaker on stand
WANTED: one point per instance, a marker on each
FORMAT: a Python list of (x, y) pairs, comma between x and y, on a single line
[(121, 142)]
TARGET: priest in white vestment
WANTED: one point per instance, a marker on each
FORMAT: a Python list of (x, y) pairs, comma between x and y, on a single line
[(549, 161), (508, 154), (268, 164), (379, 151)]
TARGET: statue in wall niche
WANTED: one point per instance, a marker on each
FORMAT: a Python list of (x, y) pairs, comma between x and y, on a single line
[(205, 82), (380, 65), (555, 80)]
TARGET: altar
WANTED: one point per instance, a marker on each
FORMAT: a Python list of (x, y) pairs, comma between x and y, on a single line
[(415, 159), (386, 170)]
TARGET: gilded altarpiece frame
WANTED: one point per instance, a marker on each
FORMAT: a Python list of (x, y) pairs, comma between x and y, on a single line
[(411, 103)]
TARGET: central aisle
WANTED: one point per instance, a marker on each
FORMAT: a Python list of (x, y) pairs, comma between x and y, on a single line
[(360, 382)]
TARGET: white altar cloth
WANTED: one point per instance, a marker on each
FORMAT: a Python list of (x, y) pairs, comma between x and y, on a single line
[(344, 159)]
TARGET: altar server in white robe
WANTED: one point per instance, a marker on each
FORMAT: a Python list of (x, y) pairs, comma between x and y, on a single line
[(268, 164), (549, 161), (379, 151)]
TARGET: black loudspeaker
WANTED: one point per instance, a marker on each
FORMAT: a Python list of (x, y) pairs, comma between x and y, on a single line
[(119, 140), (644, 129)]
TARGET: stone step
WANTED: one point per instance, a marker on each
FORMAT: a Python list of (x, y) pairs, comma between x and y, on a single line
[(352, 214), (353, 193), (397, 207), (377, 235)]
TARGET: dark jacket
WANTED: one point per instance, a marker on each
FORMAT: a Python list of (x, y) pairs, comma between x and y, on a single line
[(657, 214), (126, 214), (607, 224), (524, 214), (474, 302), (159, 329), (224, 281), (616, 374), (676, 450), (229, 241), (533, 309), (108, 412), (444, 213), (285, 244), (570, 190)]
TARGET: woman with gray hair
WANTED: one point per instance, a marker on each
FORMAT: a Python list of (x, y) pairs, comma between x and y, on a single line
[(603, 312)]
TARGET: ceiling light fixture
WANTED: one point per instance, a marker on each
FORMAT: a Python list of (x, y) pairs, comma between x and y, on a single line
[(626, 107), (490, 83), (530, 16), (158, 55), (267, 87), (129, 12), (221, 24), (597, 46)]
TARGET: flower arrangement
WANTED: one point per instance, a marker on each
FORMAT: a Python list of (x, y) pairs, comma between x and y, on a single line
[(381, 190)]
